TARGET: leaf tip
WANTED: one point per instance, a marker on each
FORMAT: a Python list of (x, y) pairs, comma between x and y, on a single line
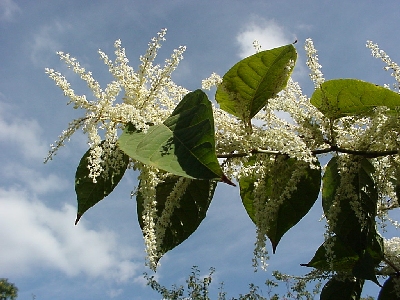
[(227, 180), (78, 217)]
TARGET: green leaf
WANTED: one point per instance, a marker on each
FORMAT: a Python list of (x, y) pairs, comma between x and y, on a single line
[(346, 290), (89, 193), (188, 212), (293, 208), (346, 223), (183, 145), (348, 97), (248, 85), (344, 260), (365, 268), (388, 291)]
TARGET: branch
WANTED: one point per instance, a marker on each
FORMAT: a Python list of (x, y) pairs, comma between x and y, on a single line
[(388, 262), (367, 154)]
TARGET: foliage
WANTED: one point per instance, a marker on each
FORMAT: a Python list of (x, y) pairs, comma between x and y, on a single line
[(8, 291), (183, 145), (199, 287)]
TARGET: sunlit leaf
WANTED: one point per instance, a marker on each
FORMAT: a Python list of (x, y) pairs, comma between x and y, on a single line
[(347, 97), (248, 85), (89, 193), (183, 145)]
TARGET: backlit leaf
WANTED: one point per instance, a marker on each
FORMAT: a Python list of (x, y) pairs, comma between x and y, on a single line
[(347, 97), (248, 85), (183, 145)]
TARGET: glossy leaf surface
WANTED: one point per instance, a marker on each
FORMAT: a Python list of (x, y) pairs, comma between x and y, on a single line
[(347, 97), (248, 85), (89, 193), (183, 145)]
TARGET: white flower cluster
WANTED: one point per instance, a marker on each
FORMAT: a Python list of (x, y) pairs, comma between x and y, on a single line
[(312, 62), (288, 124), (149, 97), (390, 65)]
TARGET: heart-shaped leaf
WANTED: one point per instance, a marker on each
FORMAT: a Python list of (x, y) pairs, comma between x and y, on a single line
[(347, 97), (292, 208), (89, 193), (183, 145), (247, 86), (187, 213)]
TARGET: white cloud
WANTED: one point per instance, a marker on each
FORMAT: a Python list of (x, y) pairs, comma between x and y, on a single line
[(33, 180), (8, 10), (33, 235), (25, 134), (268, 33)]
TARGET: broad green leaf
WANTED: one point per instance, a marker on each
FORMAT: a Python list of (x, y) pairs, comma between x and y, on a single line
[(345, 258), (346, 223), (248, 85), (348, 97), (365, 268), (89, 193), (344, 290), (189, 211), (293, 208), (343, 261), (183, 145), (388, 291)]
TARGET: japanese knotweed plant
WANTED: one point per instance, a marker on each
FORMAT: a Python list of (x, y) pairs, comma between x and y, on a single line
[(183, 145)]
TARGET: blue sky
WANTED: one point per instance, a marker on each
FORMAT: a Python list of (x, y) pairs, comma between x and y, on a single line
[(41, 250)]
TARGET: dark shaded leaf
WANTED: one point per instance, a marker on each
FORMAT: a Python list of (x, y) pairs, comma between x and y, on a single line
[(365, 268), (188, 213), (293, 208), (344, 260), (248, 85), (346, 224), (336, 289), (89, 193), (388, 291)]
